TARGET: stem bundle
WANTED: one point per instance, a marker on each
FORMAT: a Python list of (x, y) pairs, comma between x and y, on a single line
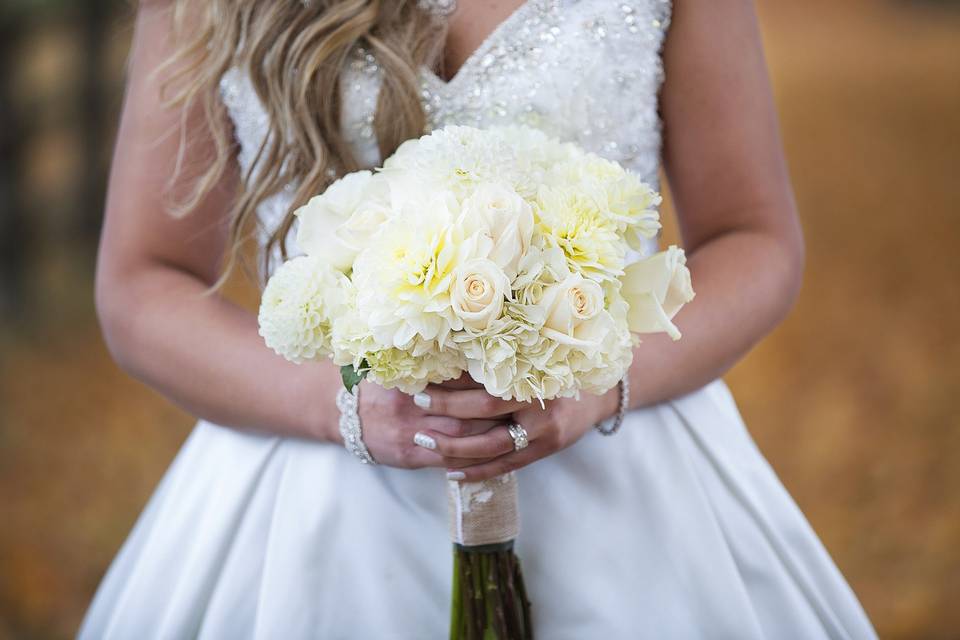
[(489, 598)]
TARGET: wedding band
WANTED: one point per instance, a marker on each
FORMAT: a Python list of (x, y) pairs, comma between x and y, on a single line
[(519, 435)]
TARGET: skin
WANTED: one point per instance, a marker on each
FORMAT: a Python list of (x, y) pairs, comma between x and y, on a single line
[(738, 222)]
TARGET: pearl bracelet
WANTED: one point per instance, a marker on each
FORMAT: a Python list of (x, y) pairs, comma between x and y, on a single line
[(350, 429), (611, 425)]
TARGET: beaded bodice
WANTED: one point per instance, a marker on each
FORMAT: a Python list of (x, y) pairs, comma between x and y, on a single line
[(587, 71)]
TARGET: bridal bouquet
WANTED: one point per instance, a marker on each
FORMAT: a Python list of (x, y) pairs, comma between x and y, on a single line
[(502, 253)]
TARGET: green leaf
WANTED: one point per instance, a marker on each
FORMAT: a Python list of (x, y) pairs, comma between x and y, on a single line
[(351, 376)]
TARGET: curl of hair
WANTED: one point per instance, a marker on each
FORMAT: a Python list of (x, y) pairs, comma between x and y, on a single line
[(295, 53)]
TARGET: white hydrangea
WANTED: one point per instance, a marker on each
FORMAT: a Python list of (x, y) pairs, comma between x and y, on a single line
[(413, 368), (298, 308)]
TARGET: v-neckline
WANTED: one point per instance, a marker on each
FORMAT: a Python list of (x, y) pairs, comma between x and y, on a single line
[(483, 48)]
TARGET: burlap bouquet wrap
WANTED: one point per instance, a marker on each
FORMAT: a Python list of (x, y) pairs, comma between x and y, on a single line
[(484, 513)]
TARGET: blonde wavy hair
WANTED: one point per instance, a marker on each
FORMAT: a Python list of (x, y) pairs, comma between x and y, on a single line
[(294, 52)]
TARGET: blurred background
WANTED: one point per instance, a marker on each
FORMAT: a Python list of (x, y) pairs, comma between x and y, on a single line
[(855, 399)]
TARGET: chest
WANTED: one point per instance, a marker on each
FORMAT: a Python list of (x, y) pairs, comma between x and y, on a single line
[(468, 27)]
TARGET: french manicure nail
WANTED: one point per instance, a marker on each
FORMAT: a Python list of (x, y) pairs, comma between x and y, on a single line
[(422, 400), (423, 440), (456, 475)]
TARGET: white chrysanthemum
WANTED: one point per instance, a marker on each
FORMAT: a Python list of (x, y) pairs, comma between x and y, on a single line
[(536, 153), (454, 159), (573, 221), (404, 278), (629, 202), (633, 205), (586, 169), (298, 307)]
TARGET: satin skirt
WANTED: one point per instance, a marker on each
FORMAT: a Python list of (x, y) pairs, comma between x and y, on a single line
[(676, 527)]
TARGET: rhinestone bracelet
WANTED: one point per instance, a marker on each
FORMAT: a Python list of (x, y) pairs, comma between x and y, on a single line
[(611, 425), (348, 403)]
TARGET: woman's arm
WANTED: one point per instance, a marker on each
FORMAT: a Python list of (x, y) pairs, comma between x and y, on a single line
[(153, 270), (198, 349), (733, 198)]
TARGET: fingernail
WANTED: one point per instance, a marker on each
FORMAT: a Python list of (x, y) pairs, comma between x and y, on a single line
[(422, 400), (456, 475), (423, 440)]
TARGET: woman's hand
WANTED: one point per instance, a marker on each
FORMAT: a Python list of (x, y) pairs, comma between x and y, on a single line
[(392, 419), (486, 453)]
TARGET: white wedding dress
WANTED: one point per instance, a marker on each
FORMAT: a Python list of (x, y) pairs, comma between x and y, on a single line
[(675, 528)]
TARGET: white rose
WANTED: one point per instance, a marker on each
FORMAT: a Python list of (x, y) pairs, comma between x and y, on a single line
[(656, 288), (506, 218), (477, 293), (569, 305), (356, 231), (319, 219)]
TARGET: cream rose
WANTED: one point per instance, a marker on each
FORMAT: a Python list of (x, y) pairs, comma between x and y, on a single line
[(506, 218), (571, 302), (656, 288), (478, 291), (573, 310)]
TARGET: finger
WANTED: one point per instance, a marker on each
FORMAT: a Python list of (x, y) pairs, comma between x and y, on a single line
[(419, 458), (491, 444), (460, 463), (466, 403), (457, 428), (415, 457), (498, 466)]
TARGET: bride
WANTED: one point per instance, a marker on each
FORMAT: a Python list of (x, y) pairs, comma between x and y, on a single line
[(265, 526)]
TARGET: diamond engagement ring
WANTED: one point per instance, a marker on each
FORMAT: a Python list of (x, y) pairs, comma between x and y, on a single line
[(519, 435)]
